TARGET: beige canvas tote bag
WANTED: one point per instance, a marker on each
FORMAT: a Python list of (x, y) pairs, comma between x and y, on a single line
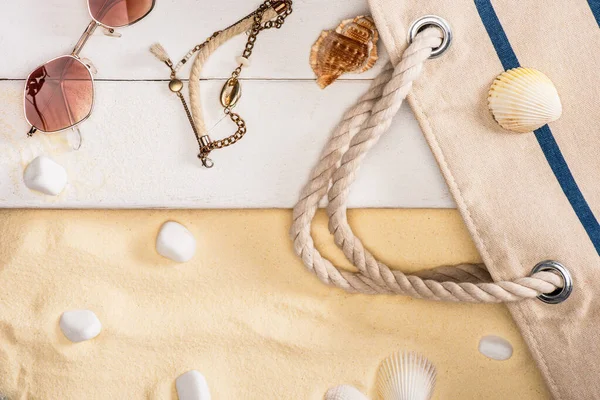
[(531, 201)]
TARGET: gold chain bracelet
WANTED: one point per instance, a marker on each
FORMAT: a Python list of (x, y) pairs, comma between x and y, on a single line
[(231, 92)]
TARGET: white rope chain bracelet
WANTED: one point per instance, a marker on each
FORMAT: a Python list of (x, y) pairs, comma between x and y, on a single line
[(360, 129), (270, 14)]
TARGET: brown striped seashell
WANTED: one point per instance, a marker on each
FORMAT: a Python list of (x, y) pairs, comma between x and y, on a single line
[(351, 47)]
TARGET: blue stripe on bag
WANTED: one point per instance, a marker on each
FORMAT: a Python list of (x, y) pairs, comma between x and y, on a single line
[(544, 136), (595, 6)]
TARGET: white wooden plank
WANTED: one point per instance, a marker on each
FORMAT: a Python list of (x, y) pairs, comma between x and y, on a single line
[(33, 31), (139, 151)]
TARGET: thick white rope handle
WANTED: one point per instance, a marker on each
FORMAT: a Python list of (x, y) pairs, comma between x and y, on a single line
[(359, 130), (205, 53)]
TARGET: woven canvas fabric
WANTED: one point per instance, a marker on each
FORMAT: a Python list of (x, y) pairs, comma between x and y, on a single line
[(524, 197)]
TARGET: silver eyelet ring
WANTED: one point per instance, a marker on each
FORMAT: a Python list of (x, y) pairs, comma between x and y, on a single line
[(432, 21), (561, 294)]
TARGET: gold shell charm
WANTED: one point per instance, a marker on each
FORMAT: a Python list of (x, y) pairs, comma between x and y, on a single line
[(231, 93), (352, 47), (523, 100)]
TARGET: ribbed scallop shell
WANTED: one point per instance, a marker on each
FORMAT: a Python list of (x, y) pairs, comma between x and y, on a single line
[(352, 47), (523, 100), (406, 376), (344, 392)]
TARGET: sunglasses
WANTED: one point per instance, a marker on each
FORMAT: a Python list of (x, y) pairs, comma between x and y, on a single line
[(59, 95)]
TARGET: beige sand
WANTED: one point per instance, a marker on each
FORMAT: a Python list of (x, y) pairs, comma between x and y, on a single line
[(244, 312)]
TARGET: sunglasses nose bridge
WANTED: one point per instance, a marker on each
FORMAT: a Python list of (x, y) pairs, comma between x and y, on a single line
[(89, 31)]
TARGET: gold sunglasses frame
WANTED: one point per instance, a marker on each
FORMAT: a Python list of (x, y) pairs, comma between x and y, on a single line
[(89, 31)]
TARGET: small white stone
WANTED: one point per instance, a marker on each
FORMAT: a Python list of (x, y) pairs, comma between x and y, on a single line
[(175, 242), (495, 347), (80, 325), (243, 61), (44, 175), (192, 386)]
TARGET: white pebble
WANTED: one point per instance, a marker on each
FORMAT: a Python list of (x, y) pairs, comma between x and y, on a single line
[(175, 242), (192, 386), (44, 175), (80, 325), (243, 61), (495, 348)]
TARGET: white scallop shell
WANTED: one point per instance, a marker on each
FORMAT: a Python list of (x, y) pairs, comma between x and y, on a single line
[(523, 100), (406, 376), (345, 392)]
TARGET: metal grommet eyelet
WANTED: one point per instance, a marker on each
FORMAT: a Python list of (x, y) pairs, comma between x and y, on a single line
[(432, 21), (561, 294)]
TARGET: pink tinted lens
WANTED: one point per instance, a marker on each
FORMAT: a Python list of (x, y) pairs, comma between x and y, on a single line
[(116, 13), (59, 94)]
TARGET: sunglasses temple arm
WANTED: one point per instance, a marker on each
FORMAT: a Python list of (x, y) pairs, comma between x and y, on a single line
[(84, 38), (79, 138)]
